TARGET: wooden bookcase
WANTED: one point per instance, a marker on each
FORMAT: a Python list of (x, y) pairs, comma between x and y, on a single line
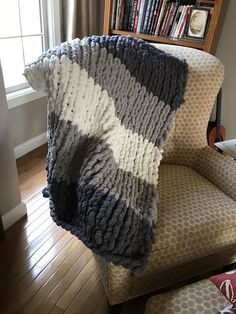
[(208, 44)]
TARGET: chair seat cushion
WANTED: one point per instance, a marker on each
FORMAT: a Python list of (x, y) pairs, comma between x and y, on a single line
[(195, 217), (200, 298), (196, 232)]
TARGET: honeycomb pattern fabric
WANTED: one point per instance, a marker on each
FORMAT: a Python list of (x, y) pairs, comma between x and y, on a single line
[(184, 143), (219, 169), (198, 221), (188, 134), (199, 298), (111, 101)]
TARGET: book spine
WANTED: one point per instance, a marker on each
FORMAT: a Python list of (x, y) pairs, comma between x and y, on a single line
[(154, 16), (151, 16), (144, 14), (178, 13), (113, 14), (140, 18), (118, 14), (172, 18), (179, 22), (126, 15), (131, 3), (160, 17), (170, 13), (157, 16), (148, 9), (121, 17), (165, 16), (137, 16), (182, 26), (133, 15)]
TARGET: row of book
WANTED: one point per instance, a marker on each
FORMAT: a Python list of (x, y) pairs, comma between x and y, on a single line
[(153, 17)]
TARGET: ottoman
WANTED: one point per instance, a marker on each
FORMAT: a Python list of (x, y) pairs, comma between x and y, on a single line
[(202, 297)]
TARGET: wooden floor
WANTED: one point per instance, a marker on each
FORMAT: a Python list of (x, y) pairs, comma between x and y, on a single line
[(43, 268)]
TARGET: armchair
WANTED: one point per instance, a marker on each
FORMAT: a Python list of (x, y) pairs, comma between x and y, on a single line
[(196, 229)]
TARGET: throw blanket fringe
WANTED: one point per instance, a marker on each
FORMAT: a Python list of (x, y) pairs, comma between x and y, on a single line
[(111, 101)]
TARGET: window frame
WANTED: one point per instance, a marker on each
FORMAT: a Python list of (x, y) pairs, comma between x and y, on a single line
[(51, 22)]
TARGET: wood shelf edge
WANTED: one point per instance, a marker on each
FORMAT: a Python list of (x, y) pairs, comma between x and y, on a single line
[(161, 39)]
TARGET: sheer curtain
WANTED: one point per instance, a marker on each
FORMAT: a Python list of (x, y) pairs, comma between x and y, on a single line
[(82, 18)]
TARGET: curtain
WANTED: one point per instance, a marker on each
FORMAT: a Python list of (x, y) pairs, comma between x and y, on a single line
[(82, 18)]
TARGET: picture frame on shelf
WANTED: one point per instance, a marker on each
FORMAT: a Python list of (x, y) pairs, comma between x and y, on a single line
[(197, 22)]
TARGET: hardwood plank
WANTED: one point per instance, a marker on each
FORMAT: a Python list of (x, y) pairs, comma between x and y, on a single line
[(59, 291), (72, 291), (47, 287), (19, 256), (23, 297), (17, 272), (34, 199), (92, 290), (13, 291), (39, 200), (56, 310)]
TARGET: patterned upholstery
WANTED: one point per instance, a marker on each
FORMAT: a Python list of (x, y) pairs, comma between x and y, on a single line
[(196, 229), (217, 168), (188, 134), (200, 298)]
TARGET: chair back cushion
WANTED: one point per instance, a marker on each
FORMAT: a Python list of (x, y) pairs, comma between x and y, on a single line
[(189, 128)]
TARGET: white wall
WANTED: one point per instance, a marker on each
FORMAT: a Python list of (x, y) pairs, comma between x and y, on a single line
[(226, 52), (28, 121)]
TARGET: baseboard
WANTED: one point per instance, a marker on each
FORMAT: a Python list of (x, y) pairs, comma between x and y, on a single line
[(13, 215), (30, 145)]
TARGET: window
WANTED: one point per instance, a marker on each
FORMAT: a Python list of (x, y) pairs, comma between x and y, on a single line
[(27, 28)]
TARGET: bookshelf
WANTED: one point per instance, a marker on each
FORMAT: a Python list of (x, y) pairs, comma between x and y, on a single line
[(207, 44)]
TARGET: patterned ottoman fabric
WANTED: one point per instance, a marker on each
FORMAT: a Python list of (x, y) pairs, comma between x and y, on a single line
[(200, 298)]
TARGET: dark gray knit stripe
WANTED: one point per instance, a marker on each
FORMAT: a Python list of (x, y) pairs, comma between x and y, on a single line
[(116, 223), (163, 75)]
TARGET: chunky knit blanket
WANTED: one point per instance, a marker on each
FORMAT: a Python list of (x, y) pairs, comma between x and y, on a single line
[(110, 104)]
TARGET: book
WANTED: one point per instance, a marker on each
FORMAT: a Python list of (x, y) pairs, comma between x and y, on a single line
[(157, 16), (147, 14), (113, 14), (132, 14), (151, 16), (179, 22), (141, 15), (126, 15), (168, 20), (161, 15), (118, 14), (136, 16), (165, 17), (172, 18), (183, 22), (121, 16), (176, 20), (154, 16)]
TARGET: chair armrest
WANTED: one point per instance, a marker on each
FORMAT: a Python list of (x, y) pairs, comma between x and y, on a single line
[(217, 168)]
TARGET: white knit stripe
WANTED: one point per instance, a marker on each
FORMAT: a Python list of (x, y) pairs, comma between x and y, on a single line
[(137, 155)]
